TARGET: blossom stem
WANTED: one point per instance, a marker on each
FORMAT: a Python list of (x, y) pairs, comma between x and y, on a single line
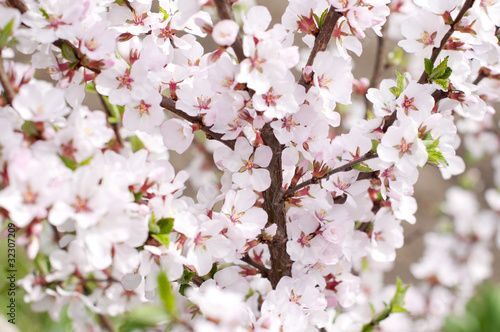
[(169, 104), (114, 126), (321, 41), (8, 89), (262, 269), (436, 50), (225, 12), (344, 168)]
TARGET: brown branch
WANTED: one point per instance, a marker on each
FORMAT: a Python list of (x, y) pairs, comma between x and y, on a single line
[(225, 11), (274, 205), (436, 50), (8, 89), (321, 41), (169, 104), (19, 4), (262, 269), (344, 168)]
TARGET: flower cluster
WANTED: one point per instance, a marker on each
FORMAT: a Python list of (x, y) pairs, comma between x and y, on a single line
[(298, 193)]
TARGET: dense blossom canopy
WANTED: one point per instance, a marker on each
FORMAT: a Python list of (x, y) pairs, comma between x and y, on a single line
[(291, 208)]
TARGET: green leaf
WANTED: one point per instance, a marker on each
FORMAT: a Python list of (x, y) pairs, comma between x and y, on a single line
[(440, 69), (143, 318), (165, 14), (400, 84), (186, 277), (30, 128), (68, 162), (322, 19), (436, 157), (112, 119), (166, 225), (68, 53), (442, 83), (362, 168), (5, 33), (447, 73), (431, 144), (166, 294), (86, 161), (153, 227), (137, 197), (162, 238), (136, 143), (375, 144), (44, 13), (428, 66)]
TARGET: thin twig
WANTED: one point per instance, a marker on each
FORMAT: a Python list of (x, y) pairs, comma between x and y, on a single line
[(321, 41), (8, 89), (436, 50), (262, 269), (343, 168), (169, 104), (114, 126), (105, 323), (225, 12)]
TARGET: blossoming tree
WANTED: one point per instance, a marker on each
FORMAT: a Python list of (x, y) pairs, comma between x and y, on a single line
[(300, 186)]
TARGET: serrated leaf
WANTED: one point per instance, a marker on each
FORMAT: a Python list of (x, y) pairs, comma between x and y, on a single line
[(68, 162), (186, 277), (68, 53), (429, 65), (136, 143), (442, 83), (162, 238), (361, 168), (166, 225), (166, 295), (5, 33), (440, 69), (395, 91), (447, 73), (436, 157)]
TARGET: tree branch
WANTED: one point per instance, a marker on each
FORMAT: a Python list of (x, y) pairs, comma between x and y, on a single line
[(436, 50), (344, 168), (321, 41), (114, 126), (225, 11), (8, 89), (19, 4), (262, 269), (274, 205), (169, 104)]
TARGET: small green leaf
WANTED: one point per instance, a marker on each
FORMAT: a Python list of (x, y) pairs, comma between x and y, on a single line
[(447, 73), (86, 161), (44, 13), (68, 162), (375, 144), (30, 128), (5, 33), (136, 143), (442, 83), (112, 119), (361, 168), (165, 14), (400, 84), (436, 157), (322, 19), (167, 295), (166, 225), (137, 197), (440, 69), (162, 238), (186, 277), (153, 227), (69, 54), (428, 66)]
